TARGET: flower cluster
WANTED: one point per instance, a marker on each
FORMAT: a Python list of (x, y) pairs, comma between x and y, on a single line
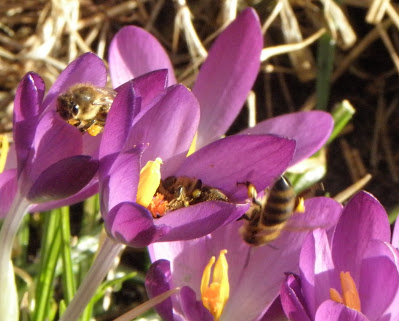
[(351, 274), (327, 263)]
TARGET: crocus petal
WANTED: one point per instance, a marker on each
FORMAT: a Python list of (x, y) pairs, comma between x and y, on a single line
[(132, 224), (168, 127), (378, 271), (238, 159), (275, 312), (119, 180), (87, 68), (310, 129), (292, 299), (199, 220), (157, 282), (89, 190), (193, 309), (395, 235), (227, 75), (54, 140), (27, 108), (8, 189), (333, 311), (119, 120), (133, 52), (63, 179), (149, 86), (362, 219), (317, 270)]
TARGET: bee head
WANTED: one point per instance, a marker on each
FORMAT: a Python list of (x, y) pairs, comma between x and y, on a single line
[(67, 107)]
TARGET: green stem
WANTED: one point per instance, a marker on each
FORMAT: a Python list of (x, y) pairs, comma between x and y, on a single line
[(103, 262), (67, 274), (8, 294)]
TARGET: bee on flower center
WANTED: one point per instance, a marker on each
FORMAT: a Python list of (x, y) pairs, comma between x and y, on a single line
[(177, 192), (266, 218), (86, 107)]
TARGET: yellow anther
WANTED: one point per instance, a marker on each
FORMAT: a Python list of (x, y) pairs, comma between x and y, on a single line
[(192, 146), (350, 295), (215, 295), (150, 178), (300, 206), (4, 151)]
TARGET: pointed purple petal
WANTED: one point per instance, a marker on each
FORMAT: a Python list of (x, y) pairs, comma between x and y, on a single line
[(132, 224), (227, 75), (362, 219), (119, 178), (310, 129), (27, 109), (63, 179), (317, 270), (238, 159), (87, 68), (292, 299), (169, 127), (193, 309), (333, 311), (149, 86), (133, 52), (8, 189), (119, 120), (378, 271), (157, 282), (199, 220)]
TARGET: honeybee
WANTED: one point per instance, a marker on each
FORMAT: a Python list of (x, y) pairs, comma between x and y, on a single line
[(183, 191), (266, 218), (86, 107)]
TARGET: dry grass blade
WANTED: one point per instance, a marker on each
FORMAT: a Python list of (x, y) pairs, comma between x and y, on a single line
[(228, 11), (302, 59), (376, 11), (338, 24), (290, 48), (276, 11), (351, 190), (183, 22), (388, 44), (146, 306)]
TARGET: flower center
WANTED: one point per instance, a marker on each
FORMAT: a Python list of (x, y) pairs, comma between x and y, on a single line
[(3, 152), (350, 296), (215, 295), (150, 177)]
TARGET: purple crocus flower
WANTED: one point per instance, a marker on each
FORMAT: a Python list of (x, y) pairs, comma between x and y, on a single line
[(352, 275), (51, 164), (149, 121), (165, 130), (255, 274), (222, 84)]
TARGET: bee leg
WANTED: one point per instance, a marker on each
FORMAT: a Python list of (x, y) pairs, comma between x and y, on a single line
[(87, 126)]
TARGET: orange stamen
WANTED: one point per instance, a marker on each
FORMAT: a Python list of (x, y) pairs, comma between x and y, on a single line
[(350, 296)]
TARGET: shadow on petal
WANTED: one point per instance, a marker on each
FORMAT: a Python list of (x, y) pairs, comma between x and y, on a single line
[(63, 179)]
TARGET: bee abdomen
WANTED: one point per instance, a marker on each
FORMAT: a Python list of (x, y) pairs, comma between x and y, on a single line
[(280, 203)]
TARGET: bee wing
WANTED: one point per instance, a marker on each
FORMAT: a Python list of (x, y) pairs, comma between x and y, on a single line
[(105, 98)]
